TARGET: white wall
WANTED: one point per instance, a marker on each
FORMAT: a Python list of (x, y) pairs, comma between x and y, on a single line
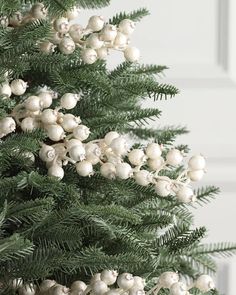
[(196, 39)]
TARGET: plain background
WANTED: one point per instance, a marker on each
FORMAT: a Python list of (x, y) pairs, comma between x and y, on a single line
[(196, 40)]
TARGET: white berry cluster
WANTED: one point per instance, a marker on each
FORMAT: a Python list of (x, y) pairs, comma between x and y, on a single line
[(108, 282), (95, 40), (112, 152)]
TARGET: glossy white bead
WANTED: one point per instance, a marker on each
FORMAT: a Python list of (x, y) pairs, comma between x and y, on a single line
[(126, 26), (143, 177), (61, 25), (7, 125), (38, 11), (69, 122), (28, 289), (196, 175), (18, 87), (102, 53), (56, 170), (178, 288), (99, 288), (55, 132), (153, 150), (45, 99), (69, 100), (49, 116), (120, 41), (156, 164), (124, 170), (163, 187), (204, 283), (89, 55), (78, 285), (84, 168), (67, 45), (119, 146), (132, 54), (137, 157), (109, 276), (76, 32), (33, 103), (197, 162), (125, 281), (167, 279), (47, 153), (96, 23), (29, 124), (77, 153), (81, 132), (109, 33), (108, 170), (174, 157), (186, 195), (110, 136), (73, 13), (5, 90), (46, 285), (94, 41)]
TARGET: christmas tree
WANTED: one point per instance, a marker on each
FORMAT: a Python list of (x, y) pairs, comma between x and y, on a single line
[(86, 186)]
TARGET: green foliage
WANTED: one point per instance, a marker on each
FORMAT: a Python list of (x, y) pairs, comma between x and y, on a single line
[(135, 15)]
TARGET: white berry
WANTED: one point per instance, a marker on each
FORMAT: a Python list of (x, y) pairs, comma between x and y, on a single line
[(73, 13), (18, 87), (126, 26), (153, 150), (102, 53), (29, 124), (163, 187), (124, 170), (99, 288), (56, 170), (110, 136), (186, 195), (77, 153), (76, 32), (96, 23), (55, 132), (94, 41), (49, 116), (7, 125), (139, 282), (59, 290), (125, 281), (69, 100), (84, 168), (67, 45), (78, 285), (197, 162), (196, 175), (109, 33), (5, 90), (81, 132), (27, 290), (132, 54), (93, 152), (119, 146), (178, 288), (39, 11), (47, 47), (136, 291), (137, 157), (143, 177), (46, 285), (204, 283), (120, 41), (109, 276), (167, 279), (156, 164), (108, 170), (89, 55), (174, 157), (72, 142), (33, 103), (47, 153), (45, 99), (69, 122), (61, 25)]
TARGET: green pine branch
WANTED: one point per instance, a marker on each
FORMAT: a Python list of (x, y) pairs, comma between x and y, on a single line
[(135, 16)]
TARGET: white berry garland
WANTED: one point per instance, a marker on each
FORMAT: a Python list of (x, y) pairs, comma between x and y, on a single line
[(109, 282)]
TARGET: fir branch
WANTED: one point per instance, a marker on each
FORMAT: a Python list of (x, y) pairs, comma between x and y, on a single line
[(206, 194), (221, 250), (135, 16)]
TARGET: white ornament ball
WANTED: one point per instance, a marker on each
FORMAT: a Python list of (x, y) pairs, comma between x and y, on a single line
[(196, 175), (125, 281), (55, 132), (72, 142), (120, 41), (156, 164), (61, 25), (84, 168), (119, 146), (81, 132), (67, 45), (163, 187), (77, 153), (18, 87), (56, 171), (197, 162), (16, 19), (69, 100), (167, 279), (137, 157), (69, 122), (205, 283), (89, 55), (153, 150), (96, 23), (109, 33), (110, 136), (78, 285), (124, 170), (47, 47), (174, 157), (45, 99), (94, 41), (33, 103), (139, 282), (143, 177), (99, 288), (73, 13), (49, 116), (7, 125), (186, 195), (127, 26), (178, 288), (132, 54), (46, 285), (38, 11), (5, 90), (76, 32), (108, 170), (28, 289), (29, 124), (102, 53), (47, 153), (109, 276)]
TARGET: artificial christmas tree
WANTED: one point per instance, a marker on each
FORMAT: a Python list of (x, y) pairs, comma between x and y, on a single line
[(78, 197)]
